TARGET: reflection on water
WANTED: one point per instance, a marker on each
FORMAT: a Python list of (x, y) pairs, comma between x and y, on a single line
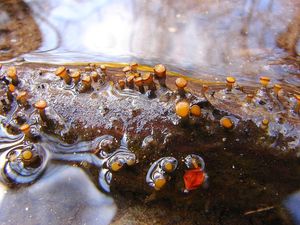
[(215, 37), (65, 195)]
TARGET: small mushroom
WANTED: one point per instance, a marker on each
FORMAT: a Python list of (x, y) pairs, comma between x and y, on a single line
[(181, 83), (63, 74), (103, 69), (265, 124), (148, 81), (134, 66), (10, 90), (95, 76), (249, 98), (87, 82), (121, 84), (277, 88), (116, 165), (12, 74), (25, 128), (41, 105), (22, 98), (226, 122), (76, 77), (182, 109), (159, 173), (160, 73), (126, 70), (195, 110), (139, 83), (130, 81), (230, 81), (264, 81)]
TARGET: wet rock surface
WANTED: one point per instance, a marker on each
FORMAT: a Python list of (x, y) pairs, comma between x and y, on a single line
[(145, 145), (19, 32)]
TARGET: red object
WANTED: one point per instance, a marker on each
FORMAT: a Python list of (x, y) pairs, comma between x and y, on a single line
[(193, 178)]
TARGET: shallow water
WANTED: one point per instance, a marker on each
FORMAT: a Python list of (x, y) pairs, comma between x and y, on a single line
[(203, 39)]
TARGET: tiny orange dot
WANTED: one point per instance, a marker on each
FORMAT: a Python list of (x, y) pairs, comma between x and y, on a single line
[(86, 79), (160, 70), (147, 78), (130, 78), (134, 65), (27, 155), (138, 81), (76, 74), (264, 81), (126, 69), (41, 104), (12, 72), (181, 82), (60, 70), (182, 109), (22, 94), (265, 122), (103, 67), (226, 123), (195, 110), (230, 80), (25, 127), (11, 87)]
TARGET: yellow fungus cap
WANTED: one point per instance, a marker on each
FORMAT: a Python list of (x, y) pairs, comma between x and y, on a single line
[(297, 97), (94, 74), (41, 104), (147, 78), (25, 127), (265, 122), (102, 67), (160, 70), (230, 80), (130, 79), (121, 83), (12, 72), (264, 81), (138, 81), (159, 183), (11, 87), (126, 69), (116, 166), (168, 167), (277, 87), (26, 155), (134, 65), (181, 82), (182, 109), (21, 95), (76, 74), (226, 123), (130, 162), (60, 71), (86, 80), (195, 110)]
